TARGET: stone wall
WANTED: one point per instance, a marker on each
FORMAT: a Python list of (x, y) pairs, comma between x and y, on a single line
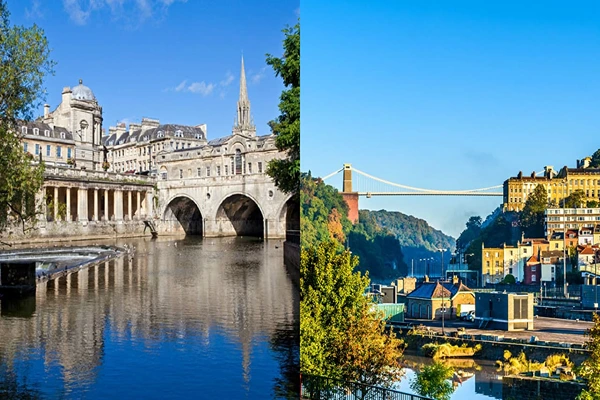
[(525, 388)]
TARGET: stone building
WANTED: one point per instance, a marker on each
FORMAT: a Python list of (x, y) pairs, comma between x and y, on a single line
[(558, 185), (426, 301), (53, 145), (492, 264)]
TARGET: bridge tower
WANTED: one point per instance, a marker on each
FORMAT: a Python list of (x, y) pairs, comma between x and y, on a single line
[(350, 197)]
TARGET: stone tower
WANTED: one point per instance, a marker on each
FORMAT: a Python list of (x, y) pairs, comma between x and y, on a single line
[(243, 123)]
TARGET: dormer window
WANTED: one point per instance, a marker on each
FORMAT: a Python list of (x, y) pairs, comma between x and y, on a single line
[(47, 133), (62, 135), (198, 136), (178, 133), (160, 134), (121, 141), (24, 130), (36, 131)]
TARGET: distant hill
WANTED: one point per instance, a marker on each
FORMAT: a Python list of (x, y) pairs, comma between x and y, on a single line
[(417, 238)]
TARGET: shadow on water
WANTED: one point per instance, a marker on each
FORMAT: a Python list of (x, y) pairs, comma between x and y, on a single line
[(18, 307), (286, 345), (10, 388)]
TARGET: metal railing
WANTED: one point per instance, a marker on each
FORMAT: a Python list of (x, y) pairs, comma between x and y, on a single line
[(323, 388)]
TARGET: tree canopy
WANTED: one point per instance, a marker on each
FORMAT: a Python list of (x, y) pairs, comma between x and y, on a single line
[(286, 172), (532, 216), (25, 61), (575, 200), (433, 381), (590, 368), (340, 335)]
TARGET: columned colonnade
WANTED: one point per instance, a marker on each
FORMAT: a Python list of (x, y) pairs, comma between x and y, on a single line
[(88, 202)]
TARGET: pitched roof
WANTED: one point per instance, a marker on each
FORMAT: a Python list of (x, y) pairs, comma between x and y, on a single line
[(587, 251), (533, 260), (431, 290)]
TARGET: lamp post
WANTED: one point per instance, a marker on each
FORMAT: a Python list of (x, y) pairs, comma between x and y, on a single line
[(442, 270), (443, 308)]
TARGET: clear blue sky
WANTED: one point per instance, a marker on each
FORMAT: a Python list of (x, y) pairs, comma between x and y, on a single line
[(178, 61), (448, 95)]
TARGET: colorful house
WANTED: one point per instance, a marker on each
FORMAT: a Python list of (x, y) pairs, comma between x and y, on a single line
[(426, 300)]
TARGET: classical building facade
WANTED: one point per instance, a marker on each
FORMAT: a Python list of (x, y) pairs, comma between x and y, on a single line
[(169, 176), (558, 185)]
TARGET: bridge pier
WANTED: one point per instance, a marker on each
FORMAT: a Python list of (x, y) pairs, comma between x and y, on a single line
[(350, 197)]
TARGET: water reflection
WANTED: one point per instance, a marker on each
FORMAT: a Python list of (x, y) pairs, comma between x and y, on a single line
[(202, 318)]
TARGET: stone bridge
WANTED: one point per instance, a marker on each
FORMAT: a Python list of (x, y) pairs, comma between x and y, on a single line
[(234, 205)]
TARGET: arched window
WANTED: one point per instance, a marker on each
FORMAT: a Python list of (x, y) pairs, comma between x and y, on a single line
[(36, 131), (24, 130), (238, 162)]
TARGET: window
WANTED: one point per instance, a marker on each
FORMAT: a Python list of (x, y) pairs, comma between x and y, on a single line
[(198, 136), (46, 133), (524, 251), (533, 278), (487, 254), (24, 130), (178, 133), (69, 152), (238, 162), (62, 135), (218, 170), (226, 172), (199, 171), (533, 268), (497, 264), (176, 145), (160, 134), (487, 263), (37, 149), (510, 271), (48, 150), (58, 152), (164, 176), (180, 174), (249, 168), (25, 147), (260, 167), (207, 171), (36, 131)]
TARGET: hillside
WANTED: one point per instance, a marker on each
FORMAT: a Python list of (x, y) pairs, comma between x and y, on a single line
[(417, 238)]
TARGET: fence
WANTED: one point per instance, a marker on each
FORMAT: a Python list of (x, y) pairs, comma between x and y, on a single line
[(323, 388)]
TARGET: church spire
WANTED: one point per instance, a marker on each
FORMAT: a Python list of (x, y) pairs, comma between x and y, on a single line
[(243, 123)]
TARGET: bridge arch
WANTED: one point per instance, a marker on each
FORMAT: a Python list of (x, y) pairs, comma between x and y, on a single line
[(182, 213), (290, 213), (239, 214)]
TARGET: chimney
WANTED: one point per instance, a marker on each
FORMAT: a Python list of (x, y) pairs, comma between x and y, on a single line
[(426, 278), (46, 110), (586, 162), (533, 174), (66, 94), (455, 280)]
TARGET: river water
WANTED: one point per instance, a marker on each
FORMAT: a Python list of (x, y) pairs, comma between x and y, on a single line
[(184, 318)]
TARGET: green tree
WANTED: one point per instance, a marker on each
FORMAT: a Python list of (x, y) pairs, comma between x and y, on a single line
[(592, 204), (433, 381), (25, 62), (340, 335), (595, 163), (590, 368), (575, 200), (532, 216), (286, 172)]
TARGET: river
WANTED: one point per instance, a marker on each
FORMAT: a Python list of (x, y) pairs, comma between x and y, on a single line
[(183, 318)]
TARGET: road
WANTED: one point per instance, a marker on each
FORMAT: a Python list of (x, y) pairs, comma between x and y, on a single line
[(546, 329)]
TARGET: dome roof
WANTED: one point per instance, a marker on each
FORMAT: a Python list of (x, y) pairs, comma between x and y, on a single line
[(82, 92)]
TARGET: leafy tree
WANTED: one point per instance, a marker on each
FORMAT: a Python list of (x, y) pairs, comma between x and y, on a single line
[(340, 336), (25, 62), (334, 226), (509, 279), (286, 172), (590, 368), (433, 381), (595, 163), (575, 200), (532, 216), (592, 204)]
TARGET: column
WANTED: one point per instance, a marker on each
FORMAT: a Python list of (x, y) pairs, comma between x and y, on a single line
[(118, 205), (149, 210), (55, 203), (69, 204), (137, 210), (82, 204), (40, 198), (96, 204), (106, 214), (129, 204)]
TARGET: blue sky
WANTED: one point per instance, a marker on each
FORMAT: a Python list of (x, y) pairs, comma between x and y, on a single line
[(175, 60), (448, 95)]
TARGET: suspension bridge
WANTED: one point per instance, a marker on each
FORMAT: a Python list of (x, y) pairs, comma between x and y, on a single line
[(368, 185)]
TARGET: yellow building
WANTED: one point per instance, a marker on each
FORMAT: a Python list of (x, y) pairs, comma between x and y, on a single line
[(492, 264), (558, 185)]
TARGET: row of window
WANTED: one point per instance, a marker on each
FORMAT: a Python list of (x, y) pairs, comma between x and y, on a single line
[(38, 150), (36, 131)]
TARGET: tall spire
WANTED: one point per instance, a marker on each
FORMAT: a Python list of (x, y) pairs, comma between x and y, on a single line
[(243, 124), (243, 90)]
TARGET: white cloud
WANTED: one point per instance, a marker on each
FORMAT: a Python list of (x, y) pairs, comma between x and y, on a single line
[(257, 77), (35, 11), (201, 87), (181, 86), (80, 11), (228, 79)]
